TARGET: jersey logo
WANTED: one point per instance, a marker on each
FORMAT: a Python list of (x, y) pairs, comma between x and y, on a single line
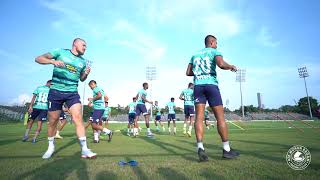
[(71, 69)]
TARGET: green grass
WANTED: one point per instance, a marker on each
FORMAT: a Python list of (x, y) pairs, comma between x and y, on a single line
[(263, 146)]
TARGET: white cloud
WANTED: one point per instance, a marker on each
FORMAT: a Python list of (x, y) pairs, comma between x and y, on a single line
[(21, 99), (266, 39), (151, 49), (223, 25)]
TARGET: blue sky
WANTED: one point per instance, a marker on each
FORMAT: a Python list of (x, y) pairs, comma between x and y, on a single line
[(270, 39)]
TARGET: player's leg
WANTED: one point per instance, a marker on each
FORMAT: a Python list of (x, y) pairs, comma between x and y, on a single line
[(215, 103), (198, 125), (35, 113), (28, 128), (169, 120), (63, 122), (162, 125), (173, 117), (53, 118), (191, 119), (207, 123), (106, 123), (185, 119), (41, 118), (37, 132), (75, 111), (89, 121), (146, 119), (156, 123), (96, 124), (200, 103)]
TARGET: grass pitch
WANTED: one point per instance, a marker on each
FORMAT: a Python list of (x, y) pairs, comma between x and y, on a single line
[(263, 147)]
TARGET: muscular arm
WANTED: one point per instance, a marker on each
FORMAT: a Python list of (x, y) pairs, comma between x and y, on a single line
[(48, 59), (189, 71), (99, 95), (223, 65), (84, 74)]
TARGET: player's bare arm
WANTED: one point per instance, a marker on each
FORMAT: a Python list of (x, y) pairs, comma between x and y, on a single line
[(48, 59), (99, 95), (84, 74), (189, 70), (145, 99), (106, 98), (31, 104), (224, 65), (181, 97)]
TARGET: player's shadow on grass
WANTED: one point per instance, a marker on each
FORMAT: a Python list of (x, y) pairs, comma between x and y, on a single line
[(169, 148), (136, 169), (168, 173), (105, 175), (59, 169), (284, 146), (209, 174), (9, 141)]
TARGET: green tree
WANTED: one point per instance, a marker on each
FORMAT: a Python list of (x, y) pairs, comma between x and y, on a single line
[(304, 107), (289, 108)]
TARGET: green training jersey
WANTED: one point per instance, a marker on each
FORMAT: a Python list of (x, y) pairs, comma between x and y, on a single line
[(66, 78), (204, 66), (188, 97), (141, 93), (99, 103), (132, 107), (206, 113), (41, 101), (107, 112), (158, 110), (171, 106)]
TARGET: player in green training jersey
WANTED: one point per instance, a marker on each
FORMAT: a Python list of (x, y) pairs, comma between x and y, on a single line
[(131, 115), (37, 110), (106, 115), (171, 106), (187, 96), (203, 67), (141, 109), (98, 110), (158, 116), (69, 68)]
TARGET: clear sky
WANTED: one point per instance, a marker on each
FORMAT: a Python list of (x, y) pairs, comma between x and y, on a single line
[(268, 38)]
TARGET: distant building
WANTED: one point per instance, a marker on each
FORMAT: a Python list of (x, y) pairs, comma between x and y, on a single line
[(260, 105)]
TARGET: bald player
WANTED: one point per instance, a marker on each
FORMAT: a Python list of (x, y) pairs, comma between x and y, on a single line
[(69, 68)]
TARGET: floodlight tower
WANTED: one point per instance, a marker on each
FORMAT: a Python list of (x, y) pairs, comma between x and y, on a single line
[(303, 73), (241, 77), (151, 75)]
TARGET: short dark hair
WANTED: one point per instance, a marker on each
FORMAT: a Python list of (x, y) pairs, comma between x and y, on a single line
[(78, 39), (207, 39), (145, 83), (134, 98), (172, 99), (92, 81), (190, 84), (49, 81)]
